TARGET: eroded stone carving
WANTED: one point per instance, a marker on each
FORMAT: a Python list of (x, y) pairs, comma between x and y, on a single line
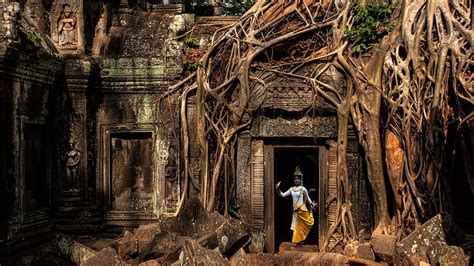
[(306, 126), (10, 21), (171, 175), (72, 161), (171, 167), (67, 27)]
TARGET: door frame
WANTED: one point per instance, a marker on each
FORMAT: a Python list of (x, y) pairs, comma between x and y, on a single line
[(269, 153)]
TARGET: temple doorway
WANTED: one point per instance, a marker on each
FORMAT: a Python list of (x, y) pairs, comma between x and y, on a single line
[(286, 158)]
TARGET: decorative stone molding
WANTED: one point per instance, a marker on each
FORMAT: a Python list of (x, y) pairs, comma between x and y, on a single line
[(217, 20), (138, 74), (289, 96), (323, 127)]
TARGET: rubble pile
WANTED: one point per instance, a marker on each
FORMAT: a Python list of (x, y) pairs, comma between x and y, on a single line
[(196, 237)]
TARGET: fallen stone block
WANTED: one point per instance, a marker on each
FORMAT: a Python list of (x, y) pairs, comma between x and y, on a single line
[(145, 234), (265, 259), (316, 258), (195, 254), (442, 254), (358, 250), (239, 258), (149, 263), (127, 246), (230, 235), (72, 250), (306, 258), (163, 247), (384, 245), (428, 243), (105, 257)]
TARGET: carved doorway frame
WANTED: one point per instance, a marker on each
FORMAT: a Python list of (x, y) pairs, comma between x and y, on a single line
[(269, 191), (126, 217)]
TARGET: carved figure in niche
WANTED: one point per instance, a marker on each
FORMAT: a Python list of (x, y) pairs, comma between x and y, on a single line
[(73, 159), (170, 170), (171, 176), (67, 26)]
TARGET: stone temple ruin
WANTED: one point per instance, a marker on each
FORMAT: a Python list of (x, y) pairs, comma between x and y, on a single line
[(88, 145)]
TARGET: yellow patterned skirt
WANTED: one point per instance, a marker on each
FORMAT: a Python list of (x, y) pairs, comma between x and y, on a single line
[(304, 222)]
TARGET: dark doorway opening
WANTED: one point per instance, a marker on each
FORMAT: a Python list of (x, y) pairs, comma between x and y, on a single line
[(286, 159)]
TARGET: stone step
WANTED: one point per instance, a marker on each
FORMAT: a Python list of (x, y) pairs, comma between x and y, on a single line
[(287, 246)]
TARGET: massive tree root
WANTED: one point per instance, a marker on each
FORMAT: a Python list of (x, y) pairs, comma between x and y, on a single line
[(428, 83), (412, 70)]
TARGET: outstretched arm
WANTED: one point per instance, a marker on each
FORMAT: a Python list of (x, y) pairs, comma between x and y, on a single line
[(277, 188)]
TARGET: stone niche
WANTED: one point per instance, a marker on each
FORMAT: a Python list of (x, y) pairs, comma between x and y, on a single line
[(131, 171)]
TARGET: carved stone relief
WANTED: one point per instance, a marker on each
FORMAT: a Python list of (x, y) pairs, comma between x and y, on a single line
[(66, 25), (289, 96), (67, 30), (304, 127), (171, 176), (72, 160)]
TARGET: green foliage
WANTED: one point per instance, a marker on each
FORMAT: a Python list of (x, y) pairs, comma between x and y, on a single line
[(370, 24), (191, 42), (234, 210), (34, 37), (236, 7), (190, 65)]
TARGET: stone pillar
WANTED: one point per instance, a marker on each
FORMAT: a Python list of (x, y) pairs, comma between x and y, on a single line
[(67, 26), (243, 174), (74, 152)]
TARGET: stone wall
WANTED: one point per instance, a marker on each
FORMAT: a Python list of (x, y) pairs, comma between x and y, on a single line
[(86, 141), (27, 97)]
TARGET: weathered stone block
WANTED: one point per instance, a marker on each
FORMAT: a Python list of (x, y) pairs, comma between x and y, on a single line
[(442, 254), (231, 235), (428, 243), (107, 256), (287, 246), (195, 254), (384, 245), (239, 258), (145, 234), (165, 247), (149, 263), (365, 251), (126, 246), (358, 250), (263, 259), (307, 258), (73, 250)]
